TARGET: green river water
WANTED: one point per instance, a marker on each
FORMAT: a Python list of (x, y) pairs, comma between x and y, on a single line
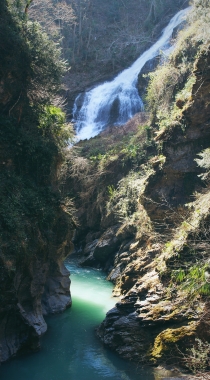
[(70, 350)]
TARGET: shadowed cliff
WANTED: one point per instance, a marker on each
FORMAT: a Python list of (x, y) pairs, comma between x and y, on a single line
[(35, 227)]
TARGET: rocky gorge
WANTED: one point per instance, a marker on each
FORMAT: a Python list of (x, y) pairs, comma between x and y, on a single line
[(144, 216), (140, 194)]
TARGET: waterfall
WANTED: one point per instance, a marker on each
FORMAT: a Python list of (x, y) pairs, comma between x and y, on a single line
[(115, 102)]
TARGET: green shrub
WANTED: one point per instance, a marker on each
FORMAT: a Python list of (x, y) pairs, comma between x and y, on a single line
[(53, 120), (192, 279)]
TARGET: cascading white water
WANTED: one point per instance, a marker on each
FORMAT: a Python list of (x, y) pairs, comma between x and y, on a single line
[(115, 102)]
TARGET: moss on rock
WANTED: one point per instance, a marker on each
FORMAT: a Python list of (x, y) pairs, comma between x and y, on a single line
[(170, 337)]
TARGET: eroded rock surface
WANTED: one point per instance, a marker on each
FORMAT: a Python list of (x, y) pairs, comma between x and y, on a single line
[(35, 289), (155, 315)]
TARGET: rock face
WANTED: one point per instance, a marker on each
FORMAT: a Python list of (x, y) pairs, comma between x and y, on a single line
[(35, 229), (155, 315), (152, 316), (106, 245), (56, 296), (35, 288)]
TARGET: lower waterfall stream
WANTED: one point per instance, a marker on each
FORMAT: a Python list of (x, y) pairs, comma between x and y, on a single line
[(70, 349)]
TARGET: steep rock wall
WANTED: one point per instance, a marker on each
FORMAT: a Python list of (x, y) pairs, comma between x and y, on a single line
[(31, 288), (35, 229), (142, 253), (153, 316)]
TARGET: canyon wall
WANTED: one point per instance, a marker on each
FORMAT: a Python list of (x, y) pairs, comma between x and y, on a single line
[(145, 220), (35, 228)]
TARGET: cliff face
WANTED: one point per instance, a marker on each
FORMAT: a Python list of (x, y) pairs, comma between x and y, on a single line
[(35, 228), (31, 289), (155, 314), (135, 223)]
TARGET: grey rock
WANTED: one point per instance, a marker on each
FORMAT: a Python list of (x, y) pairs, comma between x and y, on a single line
[(107, 245), (88, 261), (90, 246), (114, 274), (56, 297)]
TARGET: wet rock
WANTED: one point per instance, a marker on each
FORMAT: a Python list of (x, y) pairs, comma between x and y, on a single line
[(90, 247), (36, 287), (88, 261), (92, 236), (107, 245), (56, 297), (122, 334), (114, 274)]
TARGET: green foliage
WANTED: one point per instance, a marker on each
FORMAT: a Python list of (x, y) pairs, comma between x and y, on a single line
[(161, 89), (25, 211), (98, 157), (27, 151), (111, 191), (178, 275), (131, 150), (30, 65), (170, 86), (46, 66), (124, 200), (193, 279), (185, 94), (128, 147), (52, 120), (17, 8), (204, 160)]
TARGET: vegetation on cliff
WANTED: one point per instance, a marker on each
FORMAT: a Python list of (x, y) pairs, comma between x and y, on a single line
[(143, 208), (141, 191), (33, 130), (35, 223)]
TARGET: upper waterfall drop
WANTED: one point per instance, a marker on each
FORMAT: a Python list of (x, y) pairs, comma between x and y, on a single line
[(115, 102)]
